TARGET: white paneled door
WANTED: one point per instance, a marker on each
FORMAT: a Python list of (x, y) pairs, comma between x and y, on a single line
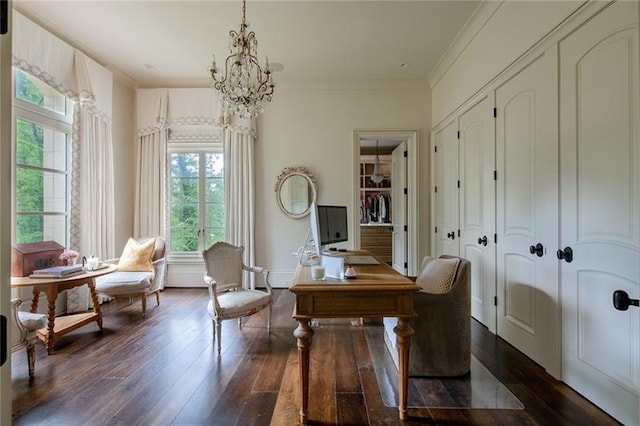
[(446, 190), (477, 206), (600, 210), (399, 207), (527, 211)]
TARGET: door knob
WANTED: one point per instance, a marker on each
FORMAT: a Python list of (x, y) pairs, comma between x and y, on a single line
[(538, 250), (621, 300), (483, 240), (451, 235), (566, 254)]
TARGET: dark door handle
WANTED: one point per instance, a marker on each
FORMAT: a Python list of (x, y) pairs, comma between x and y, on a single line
[(451, 235), (538, 250), (621, 300), (483, 240), (4, 342), (566, 254)]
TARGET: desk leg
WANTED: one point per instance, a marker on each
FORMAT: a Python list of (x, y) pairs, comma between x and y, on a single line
[(96, 305), (403, 341), (35, 300), (52, 295), (303, 333)]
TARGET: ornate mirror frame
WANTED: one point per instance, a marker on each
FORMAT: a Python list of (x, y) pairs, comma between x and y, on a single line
[(288, 173)]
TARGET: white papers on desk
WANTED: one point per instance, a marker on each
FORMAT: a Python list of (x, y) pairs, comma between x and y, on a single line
[(361, 260), (333, 266)]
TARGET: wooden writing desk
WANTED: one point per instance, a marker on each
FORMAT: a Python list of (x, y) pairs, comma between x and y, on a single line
[(378, 291), (52, 287)]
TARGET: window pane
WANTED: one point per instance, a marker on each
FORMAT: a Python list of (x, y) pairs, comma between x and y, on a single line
[(214, 214), (34, 91), (213, 235), (40, 191), (185, 165), (214, 165), (184, 189), (214, 191), (185, 214), (184, 239), (34, 228), (40, 146)]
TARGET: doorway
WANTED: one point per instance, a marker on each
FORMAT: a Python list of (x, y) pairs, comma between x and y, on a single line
[(385, 218)]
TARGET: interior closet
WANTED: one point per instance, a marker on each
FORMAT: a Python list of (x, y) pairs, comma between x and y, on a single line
[(536, 180), (376, 206)]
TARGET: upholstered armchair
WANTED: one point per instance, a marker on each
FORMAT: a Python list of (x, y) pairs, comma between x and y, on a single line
[(231, 297), (441, 345), (141, 269), (23, 332)]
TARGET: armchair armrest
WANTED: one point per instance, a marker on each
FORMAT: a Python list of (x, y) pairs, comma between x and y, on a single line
[(259, 270), (23, 332), (211, 285), (159, 267)]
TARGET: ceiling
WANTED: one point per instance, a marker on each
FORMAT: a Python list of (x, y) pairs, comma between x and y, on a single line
[(169, 43)]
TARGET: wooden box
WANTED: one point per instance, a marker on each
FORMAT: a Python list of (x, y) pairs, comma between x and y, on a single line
[(27, 257)]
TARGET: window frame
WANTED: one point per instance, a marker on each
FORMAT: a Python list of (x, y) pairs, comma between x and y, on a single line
[(56, 121), (201, 148)]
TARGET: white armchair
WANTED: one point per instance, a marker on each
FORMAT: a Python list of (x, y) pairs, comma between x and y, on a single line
[(229, 296), (23, 332), (136, 283)]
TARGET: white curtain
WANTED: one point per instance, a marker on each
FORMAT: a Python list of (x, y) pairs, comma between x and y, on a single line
[(239, 181), (95, 184), (149, 216), (240, 194)]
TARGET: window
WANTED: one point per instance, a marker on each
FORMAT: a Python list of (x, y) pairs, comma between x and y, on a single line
[(196, 212), (42, 162)]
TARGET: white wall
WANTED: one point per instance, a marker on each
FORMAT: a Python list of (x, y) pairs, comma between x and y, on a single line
[(313, 127), (123, 135), (512, 28)]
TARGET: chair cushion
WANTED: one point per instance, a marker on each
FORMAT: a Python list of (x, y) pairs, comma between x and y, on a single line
[(436, 275), (137, 256), (32, 322), (123, 282), (239, 303)]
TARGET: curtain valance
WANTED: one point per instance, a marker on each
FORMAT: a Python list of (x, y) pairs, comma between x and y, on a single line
[(187, 113), (61, 66)]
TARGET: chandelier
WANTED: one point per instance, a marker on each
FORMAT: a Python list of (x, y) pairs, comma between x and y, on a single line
[(245, 88), (377, 175)]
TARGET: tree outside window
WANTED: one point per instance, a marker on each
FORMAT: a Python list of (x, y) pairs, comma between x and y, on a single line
[(197, 200)]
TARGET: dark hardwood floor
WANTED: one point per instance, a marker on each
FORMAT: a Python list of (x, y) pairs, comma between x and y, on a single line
[(164, 370)]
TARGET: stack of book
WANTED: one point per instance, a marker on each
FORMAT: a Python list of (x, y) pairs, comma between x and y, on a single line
[(57, 272)]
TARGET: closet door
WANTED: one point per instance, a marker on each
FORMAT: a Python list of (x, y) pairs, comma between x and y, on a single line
[(527, 211), (446, 190), (399, 207), (477, 207), (600, 210)]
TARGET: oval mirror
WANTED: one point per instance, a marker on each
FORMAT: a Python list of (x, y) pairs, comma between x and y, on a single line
[(296, 189)]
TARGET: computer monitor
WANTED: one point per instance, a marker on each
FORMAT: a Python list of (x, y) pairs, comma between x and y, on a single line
[(314, 228), (332, 224)]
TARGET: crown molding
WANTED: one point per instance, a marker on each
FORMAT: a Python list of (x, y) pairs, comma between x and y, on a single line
[(483, 13)]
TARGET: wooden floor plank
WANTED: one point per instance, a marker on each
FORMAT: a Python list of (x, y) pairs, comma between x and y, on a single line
[(164, 369)]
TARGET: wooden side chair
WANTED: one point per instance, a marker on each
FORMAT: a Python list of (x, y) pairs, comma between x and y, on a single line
[(230, 297), (23, 332)]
